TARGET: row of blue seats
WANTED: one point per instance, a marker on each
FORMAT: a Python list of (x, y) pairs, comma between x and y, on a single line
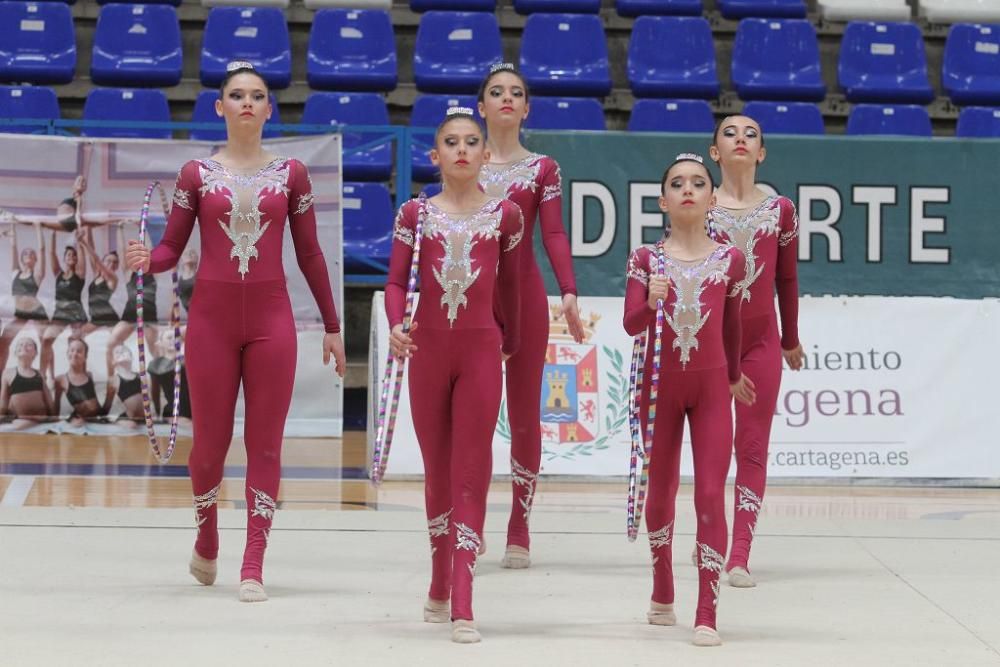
[(547, 113), (175, 3), (731, 9), (561, 54)]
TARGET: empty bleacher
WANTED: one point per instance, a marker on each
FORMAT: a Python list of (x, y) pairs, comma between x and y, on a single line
[(315, 61)]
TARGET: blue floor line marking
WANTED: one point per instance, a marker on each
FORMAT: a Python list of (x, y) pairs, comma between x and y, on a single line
[(153, 470)]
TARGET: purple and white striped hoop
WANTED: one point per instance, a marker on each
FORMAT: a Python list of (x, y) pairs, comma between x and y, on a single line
[(175, 320)]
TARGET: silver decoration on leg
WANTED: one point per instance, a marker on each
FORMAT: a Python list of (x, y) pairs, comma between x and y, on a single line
[(468, 540), (521, 476), (711, 560), (438, 527), (263, 505), (748, 500), (659, 539), (204, 501)]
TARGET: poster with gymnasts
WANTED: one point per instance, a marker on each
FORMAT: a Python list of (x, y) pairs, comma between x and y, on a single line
[(68, 339)]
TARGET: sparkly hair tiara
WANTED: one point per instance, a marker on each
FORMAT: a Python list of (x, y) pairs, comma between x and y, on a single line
[(690, 156), (457, 111), (500, 67), (234, 65)]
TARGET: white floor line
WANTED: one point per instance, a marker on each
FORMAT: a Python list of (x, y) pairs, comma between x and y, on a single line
[(17, 492)]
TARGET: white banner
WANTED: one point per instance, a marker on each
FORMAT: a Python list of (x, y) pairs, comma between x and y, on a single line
[(55, 186), (894, 387)]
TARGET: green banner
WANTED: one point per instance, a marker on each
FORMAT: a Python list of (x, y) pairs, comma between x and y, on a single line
[(884, 216)]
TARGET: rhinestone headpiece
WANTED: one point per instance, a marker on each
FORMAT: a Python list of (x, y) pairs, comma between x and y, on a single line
[(690, 156), (499, 67), (234, 65), (457, 111)]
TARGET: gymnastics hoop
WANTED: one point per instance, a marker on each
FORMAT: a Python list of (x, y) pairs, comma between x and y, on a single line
[(637, 487), (393, 366), (175, 320)]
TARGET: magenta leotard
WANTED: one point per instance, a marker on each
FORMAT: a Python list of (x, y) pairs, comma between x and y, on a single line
[(699, 359), (455, 374), (535, 185), (768, 236), (240, 326)]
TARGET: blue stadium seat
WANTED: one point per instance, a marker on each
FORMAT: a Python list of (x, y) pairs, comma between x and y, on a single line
[(204, 112), (429, 111), (371, 164), (905, 119), (352, 49), (368, 218), (978, 122), (738, 9), (786, 117), (671, 116), (175, 3), (971, 71), (686, 69), (27, 102), (255, 34), (453, 5), (454, 50), (758, 75), (565, 54), (137, 45), (37, 42), (568, 6), (884, 62), (659, 7), (565, 113), (431, 189), (122, 104)]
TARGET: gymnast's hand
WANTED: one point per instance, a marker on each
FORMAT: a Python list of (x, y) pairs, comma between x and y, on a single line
[(658, 286), (744, 390), (794, 357), (571, 312), (401, 344), (333, 345), (137, 256)]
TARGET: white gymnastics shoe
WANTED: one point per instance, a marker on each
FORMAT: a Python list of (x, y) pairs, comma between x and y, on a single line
[(661, 614), (464, 632), (706, 636)]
